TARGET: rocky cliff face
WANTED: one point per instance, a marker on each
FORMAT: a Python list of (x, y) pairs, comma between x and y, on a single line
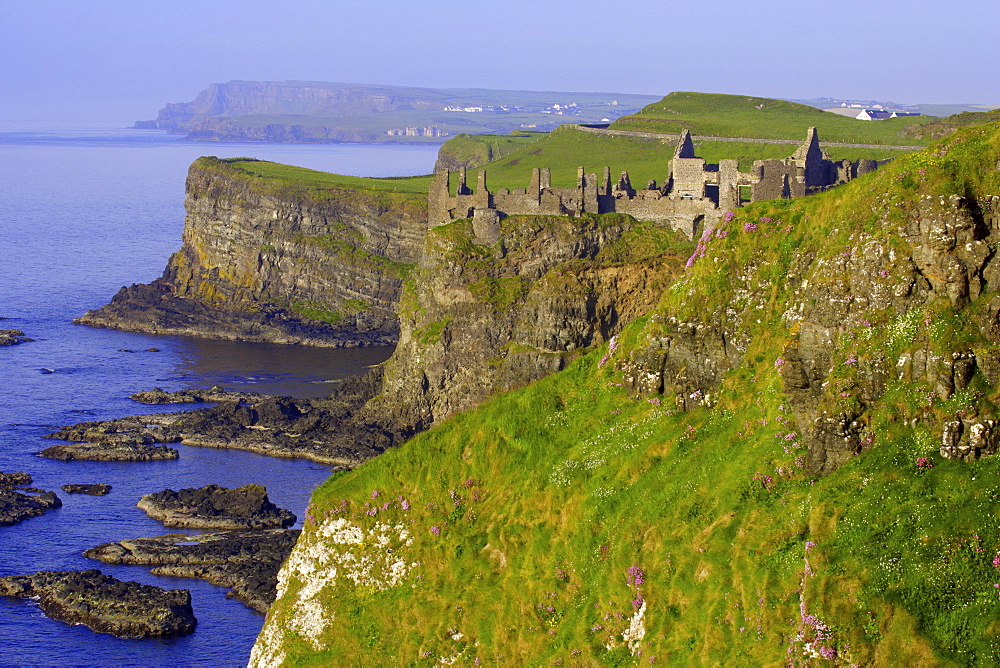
[(480, 318), (263, 261), (891, 289)]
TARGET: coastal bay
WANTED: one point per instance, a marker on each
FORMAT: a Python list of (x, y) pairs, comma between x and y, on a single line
[(86, 213)]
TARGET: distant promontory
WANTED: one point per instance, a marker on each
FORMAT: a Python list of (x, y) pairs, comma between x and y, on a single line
[(309, 111)]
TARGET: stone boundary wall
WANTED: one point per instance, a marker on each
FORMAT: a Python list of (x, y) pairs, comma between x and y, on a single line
[(664, 137)]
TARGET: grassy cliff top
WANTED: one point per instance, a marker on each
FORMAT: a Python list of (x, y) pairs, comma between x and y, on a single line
[(305, 180), (576, 521), (761, 118)]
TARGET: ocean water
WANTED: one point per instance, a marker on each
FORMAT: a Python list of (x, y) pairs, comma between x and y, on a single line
[(82, 213)]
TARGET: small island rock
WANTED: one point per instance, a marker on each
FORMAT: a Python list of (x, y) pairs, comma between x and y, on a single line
[(215, 507), (109, 452), (18, 505), (105, 604), (245, 561), (97, 489)]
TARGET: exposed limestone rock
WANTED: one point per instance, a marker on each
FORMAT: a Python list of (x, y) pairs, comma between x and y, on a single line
[(214, 507), (944, 254), (104, 604), (246, 561)]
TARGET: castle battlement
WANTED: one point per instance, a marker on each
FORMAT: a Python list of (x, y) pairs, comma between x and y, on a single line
[(694, 195)]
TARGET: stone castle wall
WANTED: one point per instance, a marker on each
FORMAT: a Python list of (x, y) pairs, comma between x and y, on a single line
[(695, 196)]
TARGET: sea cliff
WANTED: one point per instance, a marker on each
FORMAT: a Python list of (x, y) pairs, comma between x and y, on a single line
[(272, 259)]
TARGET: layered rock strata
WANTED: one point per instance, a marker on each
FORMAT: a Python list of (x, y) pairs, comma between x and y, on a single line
[(104, 604), (264, 261)]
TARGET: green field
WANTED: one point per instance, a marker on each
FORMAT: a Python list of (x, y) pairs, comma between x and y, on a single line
[(761, 118)]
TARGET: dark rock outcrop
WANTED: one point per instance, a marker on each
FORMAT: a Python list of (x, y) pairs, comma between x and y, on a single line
[(14, 479), (11, 337), (97, 489), (216, 394), (214, 507), (245, 561), (316, 429), (109, 452), (105, 604), (17, 506)]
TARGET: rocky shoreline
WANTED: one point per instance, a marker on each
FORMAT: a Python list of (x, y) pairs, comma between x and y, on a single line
[(326, 430), (245, 561), (105, 604), (156, 309)]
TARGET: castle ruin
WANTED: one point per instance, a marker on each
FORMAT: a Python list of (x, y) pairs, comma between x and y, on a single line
[(693, 196)]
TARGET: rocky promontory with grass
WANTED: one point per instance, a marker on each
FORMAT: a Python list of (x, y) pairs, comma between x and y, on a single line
[(281, 254), (790, 456)]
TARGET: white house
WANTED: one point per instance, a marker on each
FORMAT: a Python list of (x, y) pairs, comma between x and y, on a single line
[(872, 115)]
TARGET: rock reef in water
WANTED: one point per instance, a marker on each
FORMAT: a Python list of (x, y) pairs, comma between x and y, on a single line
[(317, 429), (17, 505), (245, 561), (97, 489), (215, 507), (105, 604), (11, 337), (109, 452), (216, 394)]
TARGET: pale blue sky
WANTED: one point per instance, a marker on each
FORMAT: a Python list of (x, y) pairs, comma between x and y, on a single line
[(120, 60)]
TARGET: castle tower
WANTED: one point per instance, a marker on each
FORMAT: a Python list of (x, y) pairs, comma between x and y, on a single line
[(685, 147), (688, 170), (482, 196), (810, 157), (463, 188), (544, 178), (438, 197)]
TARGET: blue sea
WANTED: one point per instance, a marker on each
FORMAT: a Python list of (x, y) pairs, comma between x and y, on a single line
[(82, 213)]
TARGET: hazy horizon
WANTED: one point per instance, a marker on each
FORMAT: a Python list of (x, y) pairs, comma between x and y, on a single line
[(112, 62)]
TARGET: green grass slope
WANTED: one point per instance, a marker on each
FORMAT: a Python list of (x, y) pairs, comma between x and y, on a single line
[(579, 522), (761, 118)]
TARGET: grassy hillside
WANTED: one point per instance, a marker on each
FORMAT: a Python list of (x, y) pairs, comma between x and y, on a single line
[(760, 118), (473, 150), (583, 521)]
